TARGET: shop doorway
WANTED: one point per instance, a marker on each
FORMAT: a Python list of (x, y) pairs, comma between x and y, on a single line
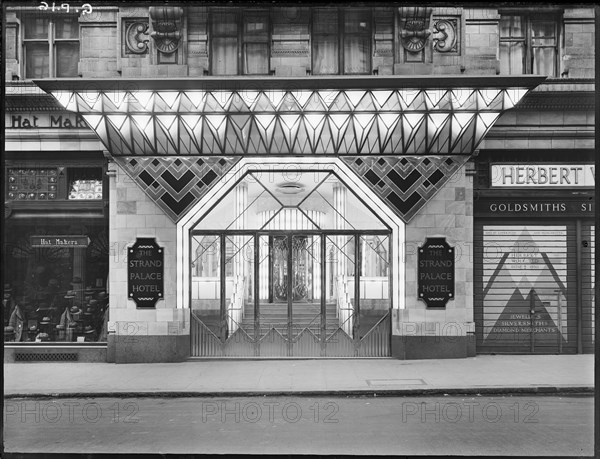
[(308, 279)]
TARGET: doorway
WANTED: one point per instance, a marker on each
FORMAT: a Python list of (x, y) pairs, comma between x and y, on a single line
[(290, 268), (291, 294)]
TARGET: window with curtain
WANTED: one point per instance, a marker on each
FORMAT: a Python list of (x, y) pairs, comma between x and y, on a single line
[(325, 42), (224, 43), (341, 40), (528, 45), (357, 41), (51, 46), (240, 43), (256, 43)]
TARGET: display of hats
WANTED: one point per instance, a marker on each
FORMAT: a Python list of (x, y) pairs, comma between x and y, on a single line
[(89, 291), (45, 320), (7, 288), (42, 337), (74, 310), (89, 329), (70, 294), (60, 327), (33, 328), (102, 296)]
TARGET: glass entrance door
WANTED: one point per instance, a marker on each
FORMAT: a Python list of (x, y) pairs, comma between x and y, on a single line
[(290, 265), (284, 294)]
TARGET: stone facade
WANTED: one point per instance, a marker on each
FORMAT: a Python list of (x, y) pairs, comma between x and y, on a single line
[(104, 44), (117, 42), (142, 334), (421, 332)]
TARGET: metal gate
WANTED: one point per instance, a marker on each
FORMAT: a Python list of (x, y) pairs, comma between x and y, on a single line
[(290, 294)]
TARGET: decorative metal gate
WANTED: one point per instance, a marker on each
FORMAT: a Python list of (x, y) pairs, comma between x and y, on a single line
[(284, 294)]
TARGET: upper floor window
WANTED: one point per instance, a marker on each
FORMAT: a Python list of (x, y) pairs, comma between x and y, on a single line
[(341, 40), (51, 46), (240, 43), (528, 44)]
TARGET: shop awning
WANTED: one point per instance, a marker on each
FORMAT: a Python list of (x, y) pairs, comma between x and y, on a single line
[(396, 115)]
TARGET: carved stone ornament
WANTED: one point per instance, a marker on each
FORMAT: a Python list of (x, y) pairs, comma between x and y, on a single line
[(136, 36), (166, 22), (414, 27), (445, 35)]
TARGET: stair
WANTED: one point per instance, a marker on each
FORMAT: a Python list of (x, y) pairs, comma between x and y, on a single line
[(304, 315)]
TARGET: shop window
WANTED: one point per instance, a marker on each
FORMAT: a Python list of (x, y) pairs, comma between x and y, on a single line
[(85, 183), (32, 184), (528, 45), (526, 297), (56, 272), (240, 43), (51, 46), (341, 40), (54, 183)]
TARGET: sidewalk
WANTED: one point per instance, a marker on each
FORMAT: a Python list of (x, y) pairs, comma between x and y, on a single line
[(482, 374)]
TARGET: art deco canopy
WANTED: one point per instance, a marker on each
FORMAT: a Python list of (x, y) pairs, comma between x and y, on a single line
[(338, 116)]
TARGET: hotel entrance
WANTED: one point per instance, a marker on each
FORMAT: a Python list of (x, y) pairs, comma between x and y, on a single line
[(301, 269)]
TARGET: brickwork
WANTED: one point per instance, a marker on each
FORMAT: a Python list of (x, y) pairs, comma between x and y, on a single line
[(133, 215), (481, 41), (11, 34), (448, 214), (98, 44), (579, 59), (103, 44)]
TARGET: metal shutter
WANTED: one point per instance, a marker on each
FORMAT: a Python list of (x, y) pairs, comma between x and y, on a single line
[(517, 266)]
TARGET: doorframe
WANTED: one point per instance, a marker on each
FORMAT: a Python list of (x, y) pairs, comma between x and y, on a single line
[(314, 164)]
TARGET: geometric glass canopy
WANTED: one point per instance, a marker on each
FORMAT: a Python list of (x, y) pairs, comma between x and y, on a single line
[(284, 116), (274, 202)]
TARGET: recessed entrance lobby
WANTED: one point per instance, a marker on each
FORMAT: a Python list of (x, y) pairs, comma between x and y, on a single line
[(290, 264)]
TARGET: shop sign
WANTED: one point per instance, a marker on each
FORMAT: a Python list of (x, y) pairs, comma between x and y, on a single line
[(145, 272), (542, 175), (527, 207), (44, 120), (436, 272), (59, 241)]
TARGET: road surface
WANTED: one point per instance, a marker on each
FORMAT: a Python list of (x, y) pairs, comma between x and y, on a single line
[(451, 425)]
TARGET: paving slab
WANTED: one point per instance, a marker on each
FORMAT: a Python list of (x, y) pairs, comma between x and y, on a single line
[(485, 374)]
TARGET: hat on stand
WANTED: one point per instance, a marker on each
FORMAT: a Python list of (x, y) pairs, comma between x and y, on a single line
[(102, 296), (70, 294)]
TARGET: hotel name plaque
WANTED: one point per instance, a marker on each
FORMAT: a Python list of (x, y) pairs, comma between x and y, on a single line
[(145, 272), (436, 272)]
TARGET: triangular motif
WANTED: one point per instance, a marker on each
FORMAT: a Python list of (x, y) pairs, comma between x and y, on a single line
[(406, 184), (175, 184)]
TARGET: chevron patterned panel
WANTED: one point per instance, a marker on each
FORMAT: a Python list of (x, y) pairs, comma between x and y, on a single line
[(403, 121), (176, 184), (406, 183)]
